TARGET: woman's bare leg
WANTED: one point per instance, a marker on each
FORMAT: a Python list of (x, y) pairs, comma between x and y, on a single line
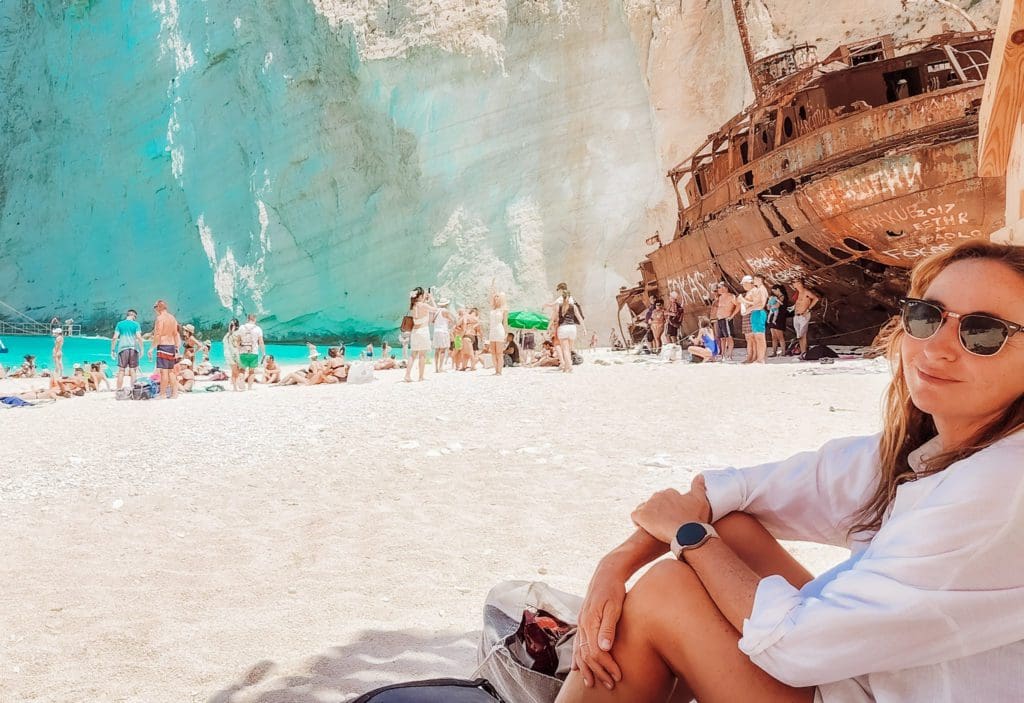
[(566, 346), (671, 629)]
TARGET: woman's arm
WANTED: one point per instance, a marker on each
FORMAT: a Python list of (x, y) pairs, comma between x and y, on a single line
[(810, 496), (942, 580)]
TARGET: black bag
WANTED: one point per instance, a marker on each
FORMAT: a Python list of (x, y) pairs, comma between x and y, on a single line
[(820, 351), (434, 691)]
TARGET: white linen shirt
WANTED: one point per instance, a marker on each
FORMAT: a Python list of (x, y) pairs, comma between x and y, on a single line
[(929, 609)]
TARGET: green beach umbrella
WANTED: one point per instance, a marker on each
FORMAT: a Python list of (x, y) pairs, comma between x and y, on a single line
[(528, 320)]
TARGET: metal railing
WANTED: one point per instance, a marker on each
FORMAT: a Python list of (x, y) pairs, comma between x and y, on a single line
[(12, 329)]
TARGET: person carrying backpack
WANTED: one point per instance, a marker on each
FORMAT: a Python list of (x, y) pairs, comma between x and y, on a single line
[(250, 347)]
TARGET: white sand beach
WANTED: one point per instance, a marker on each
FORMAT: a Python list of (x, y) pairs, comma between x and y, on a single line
[(308, 543)]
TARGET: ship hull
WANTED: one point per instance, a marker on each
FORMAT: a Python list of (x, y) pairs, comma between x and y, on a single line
[(848, 198), (855, 249)]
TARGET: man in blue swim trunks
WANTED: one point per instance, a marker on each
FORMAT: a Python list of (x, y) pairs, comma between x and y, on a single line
[(166, 342), (126, 347)]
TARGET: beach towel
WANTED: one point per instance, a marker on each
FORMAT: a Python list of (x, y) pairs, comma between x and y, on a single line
[(513, 655), (10, 401)]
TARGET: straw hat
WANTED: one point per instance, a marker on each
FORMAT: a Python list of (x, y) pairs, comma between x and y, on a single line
[(185, 362), (189, 328)]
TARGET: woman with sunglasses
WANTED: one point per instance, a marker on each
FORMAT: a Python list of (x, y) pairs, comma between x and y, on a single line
[(927, 608)]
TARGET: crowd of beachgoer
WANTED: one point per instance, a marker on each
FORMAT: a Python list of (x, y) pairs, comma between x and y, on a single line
[(763, 311), (459, 341)]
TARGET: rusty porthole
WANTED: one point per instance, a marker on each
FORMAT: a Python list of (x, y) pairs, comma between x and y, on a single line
[(803, 113), (839, 253)]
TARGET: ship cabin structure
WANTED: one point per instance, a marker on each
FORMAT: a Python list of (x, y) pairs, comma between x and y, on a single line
[(845, 171)]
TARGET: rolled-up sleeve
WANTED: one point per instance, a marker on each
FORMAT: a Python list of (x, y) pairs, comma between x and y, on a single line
[(809, 496), (943, 579)]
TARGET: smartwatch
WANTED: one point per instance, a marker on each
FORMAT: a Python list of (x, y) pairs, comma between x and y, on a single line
[(690, 536)]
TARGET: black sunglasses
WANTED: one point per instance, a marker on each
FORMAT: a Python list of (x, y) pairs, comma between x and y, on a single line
[(980, 334)]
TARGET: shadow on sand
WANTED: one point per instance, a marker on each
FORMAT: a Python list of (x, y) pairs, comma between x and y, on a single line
[(375, 658)]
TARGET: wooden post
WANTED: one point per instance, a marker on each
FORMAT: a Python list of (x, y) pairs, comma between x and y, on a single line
[(1001, 124)]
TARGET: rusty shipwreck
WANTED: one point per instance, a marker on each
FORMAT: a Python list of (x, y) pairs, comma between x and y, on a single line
[(845, 171)]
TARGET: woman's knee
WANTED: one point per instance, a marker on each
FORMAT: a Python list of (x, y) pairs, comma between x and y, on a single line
[(665, 585)]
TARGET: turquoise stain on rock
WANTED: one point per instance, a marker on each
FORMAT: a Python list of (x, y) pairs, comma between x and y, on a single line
[(353, 166)]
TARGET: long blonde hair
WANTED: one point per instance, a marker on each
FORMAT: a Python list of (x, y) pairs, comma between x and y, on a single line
[(905, 427)]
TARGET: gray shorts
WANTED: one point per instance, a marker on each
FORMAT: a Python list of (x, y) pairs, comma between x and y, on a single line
[(128, 359)]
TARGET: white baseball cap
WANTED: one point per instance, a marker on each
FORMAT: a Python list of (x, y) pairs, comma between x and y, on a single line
[(746, 279), (185, 362)]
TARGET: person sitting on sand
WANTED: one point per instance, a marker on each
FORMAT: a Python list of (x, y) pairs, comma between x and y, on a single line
[(96, 378), (271, 371), (547, 356), (27, 368), (615, 341), (704, 347), (298, 377), (186, 376), (42, 394), (385, 364), (511, 351), (69, 385), (335, 370), (930, 507)]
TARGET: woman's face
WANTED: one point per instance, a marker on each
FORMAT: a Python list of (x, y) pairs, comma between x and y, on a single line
[(945, 380)]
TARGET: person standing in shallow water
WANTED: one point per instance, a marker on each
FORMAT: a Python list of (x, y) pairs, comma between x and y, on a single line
[(931, 509)]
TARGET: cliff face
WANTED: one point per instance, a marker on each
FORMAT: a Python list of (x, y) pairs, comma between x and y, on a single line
[(313, 159)]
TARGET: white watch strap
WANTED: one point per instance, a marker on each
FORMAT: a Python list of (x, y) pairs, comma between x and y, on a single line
[(678, 549)]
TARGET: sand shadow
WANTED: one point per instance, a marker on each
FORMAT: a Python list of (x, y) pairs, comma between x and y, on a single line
[(375, 658)]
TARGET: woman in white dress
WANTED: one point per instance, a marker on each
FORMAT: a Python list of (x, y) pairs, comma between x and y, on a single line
[(421, 307), (927, 608), (442, 334), (496, 331)]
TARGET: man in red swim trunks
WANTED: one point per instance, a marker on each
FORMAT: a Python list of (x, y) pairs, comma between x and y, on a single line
[(166, 341)]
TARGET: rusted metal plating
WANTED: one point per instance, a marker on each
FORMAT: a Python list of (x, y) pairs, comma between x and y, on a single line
[(848, 172)]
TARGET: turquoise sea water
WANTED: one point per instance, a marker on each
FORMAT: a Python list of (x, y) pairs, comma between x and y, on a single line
[(90, 349)]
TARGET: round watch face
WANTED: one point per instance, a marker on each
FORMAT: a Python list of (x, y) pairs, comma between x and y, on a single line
[(690, 534)]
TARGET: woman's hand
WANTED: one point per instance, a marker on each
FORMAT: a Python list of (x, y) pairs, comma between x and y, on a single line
[(662, 514), (599, 616)]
